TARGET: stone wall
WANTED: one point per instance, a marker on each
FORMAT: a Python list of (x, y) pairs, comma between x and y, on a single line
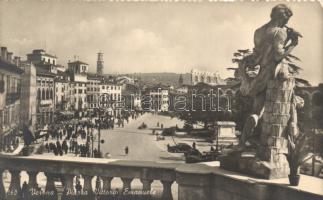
[(205, 181), (212, 183)]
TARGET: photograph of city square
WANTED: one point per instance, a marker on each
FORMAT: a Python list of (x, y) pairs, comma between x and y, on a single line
[(161, 100)]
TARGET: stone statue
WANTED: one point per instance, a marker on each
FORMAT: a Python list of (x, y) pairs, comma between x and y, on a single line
[(273, 114)]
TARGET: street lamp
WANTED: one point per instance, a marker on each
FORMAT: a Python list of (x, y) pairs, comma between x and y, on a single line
[(99, 133)]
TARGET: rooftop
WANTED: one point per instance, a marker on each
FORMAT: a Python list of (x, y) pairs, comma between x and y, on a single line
[(94, 76), (42, 71), (43, 52), (10, 67)]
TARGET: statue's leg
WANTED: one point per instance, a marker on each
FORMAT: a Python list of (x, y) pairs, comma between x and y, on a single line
[(259, 83), (252, 120)]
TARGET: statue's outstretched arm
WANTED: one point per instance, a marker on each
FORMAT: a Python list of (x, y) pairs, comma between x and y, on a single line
[(280, 50)]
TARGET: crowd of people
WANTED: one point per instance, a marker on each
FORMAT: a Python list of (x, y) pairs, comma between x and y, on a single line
[(77, 138), (11, 145), (63, 139)]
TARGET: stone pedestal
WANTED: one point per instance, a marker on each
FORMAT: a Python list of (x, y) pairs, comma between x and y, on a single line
[(194, 182), (268, 160), (225, 132)]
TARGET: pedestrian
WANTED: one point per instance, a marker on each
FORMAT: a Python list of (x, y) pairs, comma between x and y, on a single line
[(17, 141), (194, 145), (55, 150), (162, 126), (60, 135), (64, 146), (47, 147), (95, 153), (212, 148), (58, 145), (126, 150)]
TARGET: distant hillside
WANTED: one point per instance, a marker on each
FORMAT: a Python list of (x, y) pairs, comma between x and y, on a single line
[(164, 77)]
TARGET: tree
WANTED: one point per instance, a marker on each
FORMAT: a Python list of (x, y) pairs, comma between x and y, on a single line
[(198, 106)]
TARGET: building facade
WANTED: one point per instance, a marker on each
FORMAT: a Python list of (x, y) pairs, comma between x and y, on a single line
[(132, 97), (78, 75), (159, 96), (28, 104), (114, 94), (211, 78), (93, 91), (45, 84), (40, 55), (46, 72), (62, 91), (10, 87)]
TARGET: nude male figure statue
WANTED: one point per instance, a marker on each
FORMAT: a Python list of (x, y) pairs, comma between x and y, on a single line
[(273, 42)]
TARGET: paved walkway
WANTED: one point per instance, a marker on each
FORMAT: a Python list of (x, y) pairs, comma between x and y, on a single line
[(141, 143)]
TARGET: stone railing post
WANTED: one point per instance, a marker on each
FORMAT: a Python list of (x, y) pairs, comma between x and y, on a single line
[(167, 190), (50, 189), (194, 182), (107, 183), (68, 187), (50, 185), (14, 188), (88, 184), (146, 184), (32, 180), (126, 183), (2, 189)]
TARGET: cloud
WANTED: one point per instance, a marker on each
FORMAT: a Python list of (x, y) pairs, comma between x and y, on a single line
[(138, 40), (152, 38), (21, 41)]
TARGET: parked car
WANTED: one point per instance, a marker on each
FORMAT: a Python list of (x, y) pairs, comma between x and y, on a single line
[(196, 157), (169, 131), (179, 148)]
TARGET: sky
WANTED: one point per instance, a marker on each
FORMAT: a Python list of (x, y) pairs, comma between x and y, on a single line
[(154, 37)]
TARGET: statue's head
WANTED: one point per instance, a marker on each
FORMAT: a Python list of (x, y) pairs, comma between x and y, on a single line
[(281, 14)]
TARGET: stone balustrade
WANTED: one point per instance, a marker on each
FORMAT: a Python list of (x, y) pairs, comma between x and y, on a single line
[(66, 169), (195, 181)]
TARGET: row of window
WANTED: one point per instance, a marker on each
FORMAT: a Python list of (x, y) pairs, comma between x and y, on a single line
[(54, 62), (9, 116), (11, 84), (203, 79), (44, 82), (80, 91), (44, 94), (112, 87), (93, 89), (94, 83)]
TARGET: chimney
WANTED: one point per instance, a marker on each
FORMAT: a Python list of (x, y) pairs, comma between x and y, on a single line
[(16, 61), (9, 57), (4, 53)]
